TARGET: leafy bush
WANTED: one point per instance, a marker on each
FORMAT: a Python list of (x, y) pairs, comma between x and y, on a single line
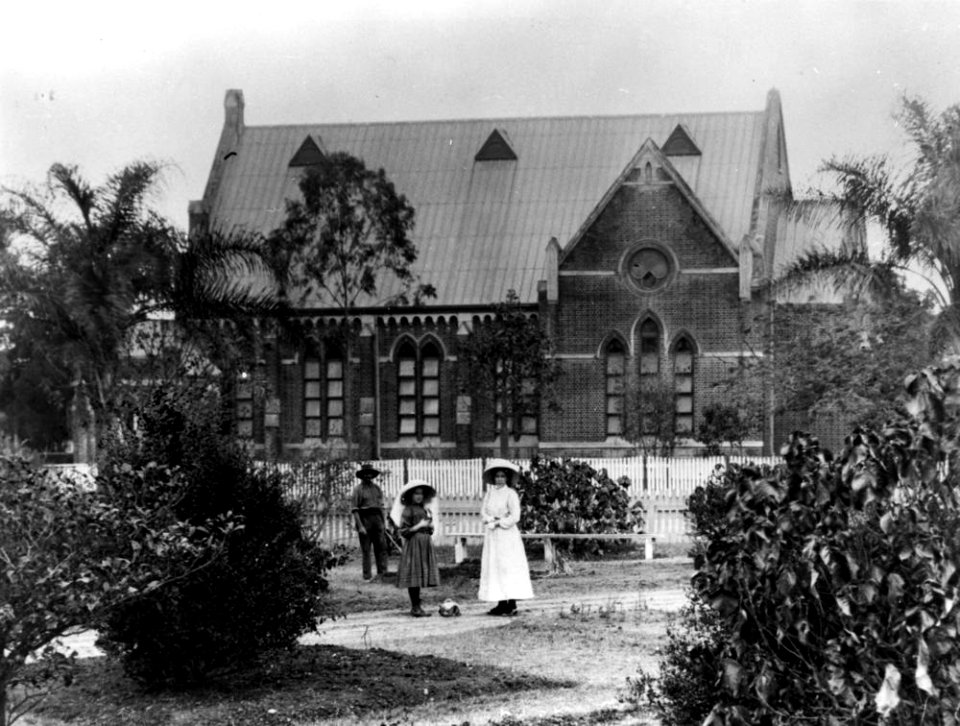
[(263, 588), (836, 579), (571, 497), (67, 556), (685, 691), (724, 423)]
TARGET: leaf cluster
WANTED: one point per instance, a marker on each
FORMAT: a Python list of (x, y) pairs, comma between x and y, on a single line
[(571, 497), (848, 360), (836, 580), (261, 590), (69, 554), (349, 226)]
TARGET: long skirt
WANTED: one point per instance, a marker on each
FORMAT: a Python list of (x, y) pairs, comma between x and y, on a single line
[(418, 563), (504, 574)]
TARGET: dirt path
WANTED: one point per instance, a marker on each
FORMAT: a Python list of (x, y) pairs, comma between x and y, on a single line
[(392, 628)]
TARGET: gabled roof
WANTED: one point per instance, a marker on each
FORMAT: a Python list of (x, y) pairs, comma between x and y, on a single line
[(650, 154), (481, 228)]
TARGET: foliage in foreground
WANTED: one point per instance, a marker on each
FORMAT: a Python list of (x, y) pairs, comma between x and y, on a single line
[(264, 589), (684, 692), (836, 580), (67, 555)]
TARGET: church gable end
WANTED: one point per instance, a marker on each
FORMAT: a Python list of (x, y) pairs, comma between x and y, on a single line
[(650, 201)]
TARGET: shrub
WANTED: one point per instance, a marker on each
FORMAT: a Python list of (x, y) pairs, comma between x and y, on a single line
[(685, 690), (836, 579), (67, 556), (571, 497), (263, 588)]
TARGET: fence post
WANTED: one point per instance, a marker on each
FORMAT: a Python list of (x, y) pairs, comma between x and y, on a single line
[(645, 475)]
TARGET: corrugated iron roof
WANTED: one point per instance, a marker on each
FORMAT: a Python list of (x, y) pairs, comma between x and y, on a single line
[(482, 227)]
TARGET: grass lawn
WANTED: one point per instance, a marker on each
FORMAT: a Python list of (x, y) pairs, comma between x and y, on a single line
[(563, 668)]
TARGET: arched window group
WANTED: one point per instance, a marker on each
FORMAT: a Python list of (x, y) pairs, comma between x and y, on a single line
[(681, 364), (418, 389)]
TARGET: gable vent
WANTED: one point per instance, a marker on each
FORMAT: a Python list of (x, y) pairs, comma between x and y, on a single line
[(495, 148), (680, 144), (308, 154)]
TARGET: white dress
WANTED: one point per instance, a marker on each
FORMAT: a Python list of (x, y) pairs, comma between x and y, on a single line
[(504, 574)]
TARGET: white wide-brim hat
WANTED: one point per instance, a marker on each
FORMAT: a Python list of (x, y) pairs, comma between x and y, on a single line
[(429, 490), (493, 465), (399, 501)]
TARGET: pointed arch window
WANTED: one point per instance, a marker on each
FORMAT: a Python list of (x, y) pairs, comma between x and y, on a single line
[(650, 344), (323, 394), (683, 362), (616, 357), (407, 388), (418, 389), (430, 390), (649, 348), (526, 420)]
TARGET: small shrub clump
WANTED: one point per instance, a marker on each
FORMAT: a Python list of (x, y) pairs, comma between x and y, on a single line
[(685, 691), (262, 586), (571, 497)]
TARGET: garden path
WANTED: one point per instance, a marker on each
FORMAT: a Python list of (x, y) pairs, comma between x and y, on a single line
[(387, 628)]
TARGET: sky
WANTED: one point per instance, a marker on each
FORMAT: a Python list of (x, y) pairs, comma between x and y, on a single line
[(101, 84)]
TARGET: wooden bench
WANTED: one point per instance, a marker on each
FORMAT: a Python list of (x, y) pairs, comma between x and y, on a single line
[(549, 553)]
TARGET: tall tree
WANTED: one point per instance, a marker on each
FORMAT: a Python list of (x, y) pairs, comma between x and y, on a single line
[(341, 244), (511, 361), (916, 206), (93, 265), (848, 360)]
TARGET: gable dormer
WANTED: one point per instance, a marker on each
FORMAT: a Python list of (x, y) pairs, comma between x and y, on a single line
[(496, 148), (681, 143), (309, 154)]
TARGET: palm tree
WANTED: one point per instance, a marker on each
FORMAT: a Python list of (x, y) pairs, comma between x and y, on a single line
[(917, 209), (96, 264)]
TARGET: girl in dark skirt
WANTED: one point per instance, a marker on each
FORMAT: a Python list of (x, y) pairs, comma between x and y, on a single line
[(413, 514)]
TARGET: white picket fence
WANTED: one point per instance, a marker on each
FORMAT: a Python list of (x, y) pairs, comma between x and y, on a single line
[(662, 484)]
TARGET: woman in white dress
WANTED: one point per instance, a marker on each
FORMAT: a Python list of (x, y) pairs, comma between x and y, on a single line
[(504, 574)]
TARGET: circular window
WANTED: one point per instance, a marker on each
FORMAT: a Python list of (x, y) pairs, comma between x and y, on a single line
[(648, 268)]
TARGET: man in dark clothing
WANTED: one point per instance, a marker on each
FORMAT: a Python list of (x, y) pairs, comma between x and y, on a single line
[(369, 519)]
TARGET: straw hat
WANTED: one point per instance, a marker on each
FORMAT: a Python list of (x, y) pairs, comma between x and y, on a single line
[(494, 465), (429, 491)]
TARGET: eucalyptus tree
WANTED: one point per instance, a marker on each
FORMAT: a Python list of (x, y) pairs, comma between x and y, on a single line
[(346, 242), (511, 361)]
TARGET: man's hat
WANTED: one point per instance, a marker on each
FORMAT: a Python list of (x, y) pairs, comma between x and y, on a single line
[(367, 471)]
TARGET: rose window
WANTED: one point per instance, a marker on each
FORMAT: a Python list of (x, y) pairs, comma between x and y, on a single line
[(649, 269)]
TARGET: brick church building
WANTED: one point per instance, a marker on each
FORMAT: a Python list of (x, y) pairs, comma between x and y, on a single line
[(644, 246)]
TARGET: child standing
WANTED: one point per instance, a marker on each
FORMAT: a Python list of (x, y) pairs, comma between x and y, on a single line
[(413, 513)]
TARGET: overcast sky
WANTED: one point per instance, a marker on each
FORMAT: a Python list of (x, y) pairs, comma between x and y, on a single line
[(101, 84)]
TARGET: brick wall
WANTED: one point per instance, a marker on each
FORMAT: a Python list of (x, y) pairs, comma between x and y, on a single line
[(707, 307)]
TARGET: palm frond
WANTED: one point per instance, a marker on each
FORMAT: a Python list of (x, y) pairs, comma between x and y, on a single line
[(849, 271)]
